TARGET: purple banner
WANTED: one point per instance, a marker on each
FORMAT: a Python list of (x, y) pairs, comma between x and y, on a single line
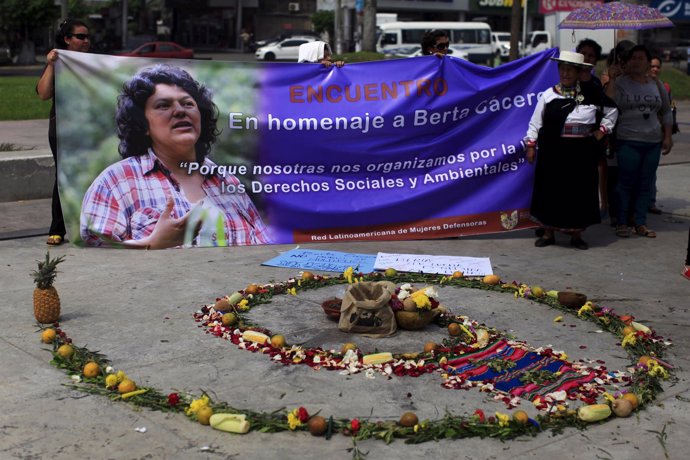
[(398, 149)]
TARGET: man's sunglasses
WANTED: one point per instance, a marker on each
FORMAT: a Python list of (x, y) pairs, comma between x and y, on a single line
[(441, 46), (78, 36)]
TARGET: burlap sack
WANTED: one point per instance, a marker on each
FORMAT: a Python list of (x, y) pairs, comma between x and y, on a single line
[(365, 309)]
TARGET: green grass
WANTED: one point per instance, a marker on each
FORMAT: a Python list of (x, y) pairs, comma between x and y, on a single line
[(678, 80), (19, 101)]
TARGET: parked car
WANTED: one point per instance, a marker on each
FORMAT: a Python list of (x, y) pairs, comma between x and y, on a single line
[(500, 42), (282, 36), (284, 50), (160, 50)]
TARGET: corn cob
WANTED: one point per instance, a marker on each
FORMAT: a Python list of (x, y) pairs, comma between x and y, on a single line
[(253, 336), (594, 412), (232, 423), (378, 358)]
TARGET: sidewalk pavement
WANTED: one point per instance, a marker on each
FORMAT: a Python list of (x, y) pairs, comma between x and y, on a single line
[(136, 307)]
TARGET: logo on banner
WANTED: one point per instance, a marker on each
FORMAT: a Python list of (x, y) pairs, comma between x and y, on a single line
[(679, 9), (552, 6)]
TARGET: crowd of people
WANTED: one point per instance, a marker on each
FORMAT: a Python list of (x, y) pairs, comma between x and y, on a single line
[(595, 144)]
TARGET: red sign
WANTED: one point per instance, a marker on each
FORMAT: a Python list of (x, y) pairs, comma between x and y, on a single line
[(552, 6)]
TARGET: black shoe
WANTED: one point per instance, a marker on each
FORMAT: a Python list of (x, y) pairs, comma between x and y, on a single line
[(542, 242), (540, 232), (654, 210), (579, 243)]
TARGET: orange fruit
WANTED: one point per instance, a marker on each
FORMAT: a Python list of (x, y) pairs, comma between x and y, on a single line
[(229, 319), (454, 329), (317, 425), (348, 346), (278, 341), (307, 275), (48, 335), (457, 275), (204, 414), (521, 417), (633, 399), (65, 351), (251, 289), (408, 419), (628, 330), (491, 280), (91, 370), (644, 360), (429, 347), (126, 386), (627, 319)]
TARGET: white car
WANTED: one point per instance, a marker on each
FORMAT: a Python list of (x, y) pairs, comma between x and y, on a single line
[(500, 41), (284, 50)]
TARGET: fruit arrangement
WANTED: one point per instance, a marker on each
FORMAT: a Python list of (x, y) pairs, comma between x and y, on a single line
[(95, 374)]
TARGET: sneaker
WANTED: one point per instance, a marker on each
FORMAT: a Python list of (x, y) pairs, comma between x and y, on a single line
[(686, 272)]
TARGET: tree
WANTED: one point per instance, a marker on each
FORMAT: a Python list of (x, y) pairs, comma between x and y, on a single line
[(369, 26), (20, 18), (324, 21)]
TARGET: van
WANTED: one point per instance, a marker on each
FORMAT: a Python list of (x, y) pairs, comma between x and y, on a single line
[(474, 38)]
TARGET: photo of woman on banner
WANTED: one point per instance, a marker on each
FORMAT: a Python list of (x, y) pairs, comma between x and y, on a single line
[(165, 187), (563, 135)]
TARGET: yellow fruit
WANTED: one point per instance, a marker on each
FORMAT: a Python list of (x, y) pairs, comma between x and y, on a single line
[(278, 341), (377, 358), (538, 291), (458, 274), (429, 347), (390, 272), (408, 419), (454, 329), (48, 336), (229, 319), (251, 289), (593, 412), (628, 330), (91, 370), (347, 346), (491, 280), (254, 336), (521, 417), (126, 386), (65, 351), (317, 425), (204, 414), (307, 275), (633, 399)]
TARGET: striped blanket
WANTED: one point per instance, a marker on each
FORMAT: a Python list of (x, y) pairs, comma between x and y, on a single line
[(473, 366)]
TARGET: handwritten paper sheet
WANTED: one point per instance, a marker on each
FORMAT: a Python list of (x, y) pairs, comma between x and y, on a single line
[(446, 265), (327, 261)]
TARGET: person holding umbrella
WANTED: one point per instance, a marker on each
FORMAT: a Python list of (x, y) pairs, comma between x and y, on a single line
[(640, 140)]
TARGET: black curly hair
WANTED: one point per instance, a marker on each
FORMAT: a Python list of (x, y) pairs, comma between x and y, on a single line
[(65, 30), (132, 126), (429, 40), (588, 42)]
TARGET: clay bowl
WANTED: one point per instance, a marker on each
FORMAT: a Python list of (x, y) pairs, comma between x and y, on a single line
[(413, 321), (571, 299), (332, 308)]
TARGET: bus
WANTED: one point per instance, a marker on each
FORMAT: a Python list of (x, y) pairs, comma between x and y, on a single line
[(471, 37)]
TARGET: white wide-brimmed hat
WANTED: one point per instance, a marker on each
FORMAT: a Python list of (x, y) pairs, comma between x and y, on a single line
[(572, 58)]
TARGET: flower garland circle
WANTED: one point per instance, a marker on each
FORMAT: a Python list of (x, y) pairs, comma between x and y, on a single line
[(227, 319)]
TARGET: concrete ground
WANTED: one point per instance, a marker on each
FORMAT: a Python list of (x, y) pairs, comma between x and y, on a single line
[(136, 307)]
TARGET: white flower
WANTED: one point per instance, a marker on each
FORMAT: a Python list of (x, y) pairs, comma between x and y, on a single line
[(370, 374), (109, 370), (75, 378), (406, 287), (557, 396), (431, 292), (402, 295)]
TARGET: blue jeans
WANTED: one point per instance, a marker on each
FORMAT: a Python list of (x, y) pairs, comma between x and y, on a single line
[(637, 164)]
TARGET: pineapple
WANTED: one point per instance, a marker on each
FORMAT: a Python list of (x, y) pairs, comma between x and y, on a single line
[(46, 300)]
